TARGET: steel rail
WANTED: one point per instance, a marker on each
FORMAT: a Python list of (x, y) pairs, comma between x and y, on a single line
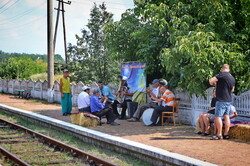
[(13, 157), (49, 140)]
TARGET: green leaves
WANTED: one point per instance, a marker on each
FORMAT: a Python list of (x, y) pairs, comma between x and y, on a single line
[(21, 68), (90, 60)]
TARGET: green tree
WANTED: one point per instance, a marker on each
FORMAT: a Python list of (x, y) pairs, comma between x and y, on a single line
[(189, 40), (90, 60), (5, 56), (21, 68)]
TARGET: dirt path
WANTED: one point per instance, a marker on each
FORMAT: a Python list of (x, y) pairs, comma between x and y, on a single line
[(179, 139)]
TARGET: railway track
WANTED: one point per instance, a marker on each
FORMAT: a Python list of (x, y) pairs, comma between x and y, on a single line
[(22, 146)]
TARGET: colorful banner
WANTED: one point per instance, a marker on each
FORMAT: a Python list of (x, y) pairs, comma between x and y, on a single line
[(135, 73)]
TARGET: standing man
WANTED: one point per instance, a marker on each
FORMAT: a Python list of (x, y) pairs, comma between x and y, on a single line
[(167, 103), (154, 93), (83, 100), (98, 108), (225, 84), (66, 95)]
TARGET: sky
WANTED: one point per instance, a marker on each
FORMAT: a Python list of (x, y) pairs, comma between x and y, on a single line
[(23, 23)]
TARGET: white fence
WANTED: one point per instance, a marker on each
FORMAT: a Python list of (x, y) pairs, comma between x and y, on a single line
[(191, 106)]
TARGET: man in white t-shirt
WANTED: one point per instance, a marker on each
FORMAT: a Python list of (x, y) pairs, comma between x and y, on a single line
[(154, 93), (83, 100)]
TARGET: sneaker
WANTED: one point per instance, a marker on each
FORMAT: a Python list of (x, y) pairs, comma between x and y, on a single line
[(132, 120), (114, 123)]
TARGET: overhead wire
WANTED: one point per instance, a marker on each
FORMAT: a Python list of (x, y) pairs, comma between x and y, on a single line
[(20, 15), (27, 23), (9, 6), (5, 4)]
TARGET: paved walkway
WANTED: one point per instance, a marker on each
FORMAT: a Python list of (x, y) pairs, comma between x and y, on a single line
[(179, 139)]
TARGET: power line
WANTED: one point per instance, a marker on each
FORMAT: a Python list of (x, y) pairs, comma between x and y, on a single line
[(5, 4), (9, 6), (18, 16), (27, 23)]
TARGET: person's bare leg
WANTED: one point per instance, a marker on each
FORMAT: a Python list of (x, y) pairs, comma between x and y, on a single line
[(227, 124), (215, 128), (202, 125), (218, 122), (206, 122)]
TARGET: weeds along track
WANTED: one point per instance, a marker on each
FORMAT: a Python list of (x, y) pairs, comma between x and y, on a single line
[(22, 146)]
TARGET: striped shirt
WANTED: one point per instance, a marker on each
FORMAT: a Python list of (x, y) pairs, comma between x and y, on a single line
[(168, 99)]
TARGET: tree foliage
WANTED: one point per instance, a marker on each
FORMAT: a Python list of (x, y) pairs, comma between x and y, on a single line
[(90, 60), (5, 56), (186, 41), (21, 68)]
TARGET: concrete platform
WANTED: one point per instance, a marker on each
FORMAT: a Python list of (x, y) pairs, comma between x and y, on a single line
[(153, 155)]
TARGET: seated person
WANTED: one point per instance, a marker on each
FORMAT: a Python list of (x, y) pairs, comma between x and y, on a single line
[(83, 100), (206, 118), (167, 103), (155, 93), (98, 108), (126, 93), (105, 92)]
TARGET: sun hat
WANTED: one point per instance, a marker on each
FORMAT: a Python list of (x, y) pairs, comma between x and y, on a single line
[(65, 70), (85, 88), (163, 82)]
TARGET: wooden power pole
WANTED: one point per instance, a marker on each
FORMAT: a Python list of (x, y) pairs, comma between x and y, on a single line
[(50, 44)]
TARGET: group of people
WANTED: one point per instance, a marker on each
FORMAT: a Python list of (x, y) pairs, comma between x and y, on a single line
[(103, 102), (221, 105)]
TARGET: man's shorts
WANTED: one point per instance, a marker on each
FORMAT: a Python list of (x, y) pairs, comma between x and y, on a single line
[(222, 108)]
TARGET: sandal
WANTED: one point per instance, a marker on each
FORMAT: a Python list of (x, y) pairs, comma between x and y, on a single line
[(205, 134), (216, 137), (226, 137), (199, 132)]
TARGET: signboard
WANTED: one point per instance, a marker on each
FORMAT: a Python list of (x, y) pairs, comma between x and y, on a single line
[(134, 71)]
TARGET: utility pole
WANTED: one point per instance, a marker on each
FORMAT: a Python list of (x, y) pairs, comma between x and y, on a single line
[(50, 44), (61, 3)]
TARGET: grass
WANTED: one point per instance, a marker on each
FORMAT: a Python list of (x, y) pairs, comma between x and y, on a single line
[(118, 159)]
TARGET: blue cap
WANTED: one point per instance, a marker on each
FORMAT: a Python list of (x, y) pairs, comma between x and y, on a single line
[(96, 90), (155, 81)]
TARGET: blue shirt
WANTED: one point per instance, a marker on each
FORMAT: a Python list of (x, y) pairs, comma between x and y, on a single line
[(106, 92), (95, 104)]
